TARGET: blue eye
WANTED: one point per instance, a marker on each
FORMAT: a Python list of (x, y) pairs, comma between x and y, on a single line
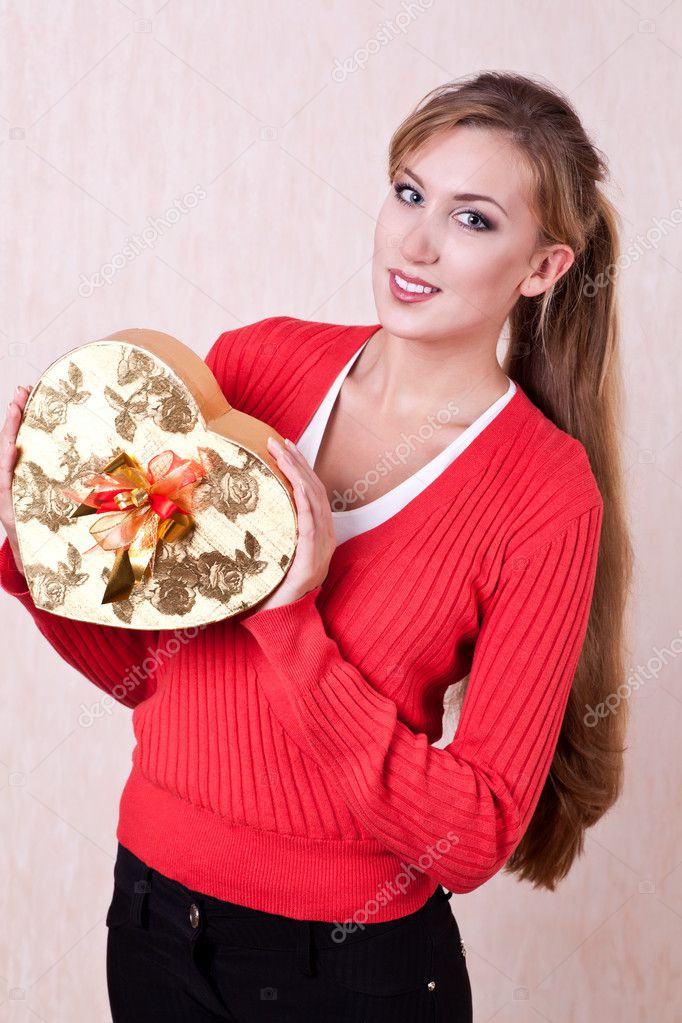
[(403, 186), (474, 213)]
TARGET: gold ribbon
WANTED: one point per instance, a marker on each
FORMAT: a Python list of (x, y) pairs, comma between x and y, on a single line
[(136, 510)]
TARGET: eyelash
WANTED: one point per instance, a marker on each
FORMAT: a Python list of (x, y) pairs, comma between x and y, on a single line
[(401, 185)]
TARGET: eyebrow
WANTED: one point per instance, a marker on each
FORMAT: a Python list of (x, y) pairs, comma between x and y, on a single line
[(465, 196)]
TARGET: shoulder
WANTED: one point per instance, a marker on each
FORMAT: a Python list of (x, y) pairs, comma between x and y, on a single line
[(274, 333), (277, 334), (276, 348), (237, 340)]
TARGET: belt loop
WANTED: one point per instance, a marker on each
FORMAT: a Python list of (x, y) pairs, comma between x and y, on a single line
[(141, 889), (304, 947)]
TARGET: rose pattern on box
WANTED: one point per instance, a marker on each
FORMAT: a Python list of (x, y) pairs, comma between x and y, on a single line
[(75, 422)]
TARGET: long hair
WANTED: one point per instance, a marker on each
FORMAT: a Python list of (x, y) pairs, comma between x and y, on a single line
[(564, 352)]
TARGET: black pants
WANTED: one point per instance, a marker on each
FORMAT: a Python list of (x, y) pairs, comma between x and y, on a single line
[(175, 955)]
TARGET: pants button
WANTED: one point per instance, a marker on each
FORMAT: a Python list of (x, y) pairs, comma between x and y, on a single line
[(194, 915)]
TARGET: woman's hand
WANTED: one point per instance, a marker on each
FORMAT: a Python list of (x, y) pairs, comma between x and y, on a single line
[(316, 538), (8, 457)]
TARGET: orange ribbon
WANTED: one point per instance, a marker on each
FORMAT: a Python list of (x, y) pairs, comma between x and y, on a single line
[(138, 509)]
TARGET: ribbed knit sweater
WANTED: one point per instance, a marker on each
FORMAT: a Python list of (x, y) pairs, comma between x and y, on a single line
[(284, 758)]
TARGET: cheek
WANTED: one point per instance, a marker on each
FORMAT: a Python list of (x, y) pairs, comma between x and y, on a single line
[(395, 223), (385, 230), (482, 267)]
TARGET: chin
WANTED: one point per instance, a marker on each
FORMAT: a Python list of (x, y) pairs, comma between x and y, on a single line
[(406, 327), (408, 321)]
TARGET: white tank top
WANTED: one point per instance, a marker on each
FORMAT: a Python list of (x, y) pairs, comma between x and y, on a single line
[(357, 520)]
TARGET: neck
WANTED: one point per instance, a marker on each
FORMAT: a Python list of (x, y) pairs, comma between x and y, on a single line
[(405, 376)]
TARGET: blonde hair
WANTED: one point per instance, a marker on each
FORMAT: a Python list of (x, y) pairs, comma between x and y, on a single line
[(564, 352)]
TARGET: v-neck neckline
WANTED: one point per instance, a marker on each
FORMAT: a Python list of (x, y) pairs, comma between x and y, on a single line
[(397, 493), (467, 463)]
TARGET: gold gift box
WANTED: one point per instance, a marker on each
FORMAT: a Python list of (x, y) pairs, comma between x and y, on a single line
[(112, 407)]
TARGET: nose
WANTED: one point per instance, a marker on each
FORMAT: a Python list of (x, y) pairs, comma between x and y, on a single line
[(419, 246)]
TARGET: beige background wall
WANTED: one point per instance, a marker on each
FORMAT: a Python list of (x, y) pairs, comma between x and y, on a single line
[(279, 115)]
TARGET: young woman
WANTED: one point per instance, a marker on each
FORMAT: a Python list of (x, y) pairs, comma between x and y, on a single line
[(289, 834)]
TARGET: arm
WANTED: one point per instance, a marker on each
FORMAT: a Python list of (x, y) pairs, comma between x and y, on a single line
[(231, 358), (123, 662), (483, 787)]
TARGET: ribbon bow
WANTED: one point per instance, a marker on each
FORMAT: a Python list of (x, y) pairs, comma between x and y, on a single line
[(136, 510)]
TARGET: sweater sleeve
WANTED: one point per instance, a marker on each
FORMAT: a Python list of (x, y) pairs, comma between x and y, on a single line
[(475, 797), (123, 662)]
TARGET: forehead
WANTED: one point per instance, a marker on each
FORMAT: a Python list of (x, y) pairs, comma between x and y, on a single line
[(468, 159)]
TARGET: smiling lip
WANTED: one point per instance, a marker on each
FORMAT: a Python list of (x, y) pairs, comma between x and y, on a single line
[(410, 296)]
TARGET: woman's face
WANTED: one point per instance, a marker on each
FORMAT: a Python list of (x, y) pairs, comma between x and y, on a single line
[(480, 252)]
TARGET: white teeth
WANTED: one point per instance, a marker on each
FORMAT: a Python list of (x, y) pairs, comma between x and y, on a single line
[(407, 286)]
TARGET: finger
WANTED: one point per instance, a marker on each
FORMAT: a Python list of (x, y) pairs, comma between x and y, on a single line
[(305, 533), (302, 461), (295, 453), (8, 457), (20, 396), (8, 435), (18, 401), (294, 471), (318, 492), (316, 489), (306, 519), (12, 421), (313, 529), (8, 449), (291, 461)]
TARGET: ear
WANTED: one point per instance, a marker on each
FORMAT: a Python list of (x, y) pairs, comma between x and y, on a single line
[(550, 264)]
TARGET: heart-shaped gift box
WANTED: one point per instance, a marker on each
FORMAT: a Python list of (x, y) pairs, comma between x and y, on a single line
[(142, 498)]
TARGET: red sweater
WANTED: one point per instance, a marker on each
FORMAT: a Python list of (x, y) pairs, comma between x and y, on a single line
[(284, 758)]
